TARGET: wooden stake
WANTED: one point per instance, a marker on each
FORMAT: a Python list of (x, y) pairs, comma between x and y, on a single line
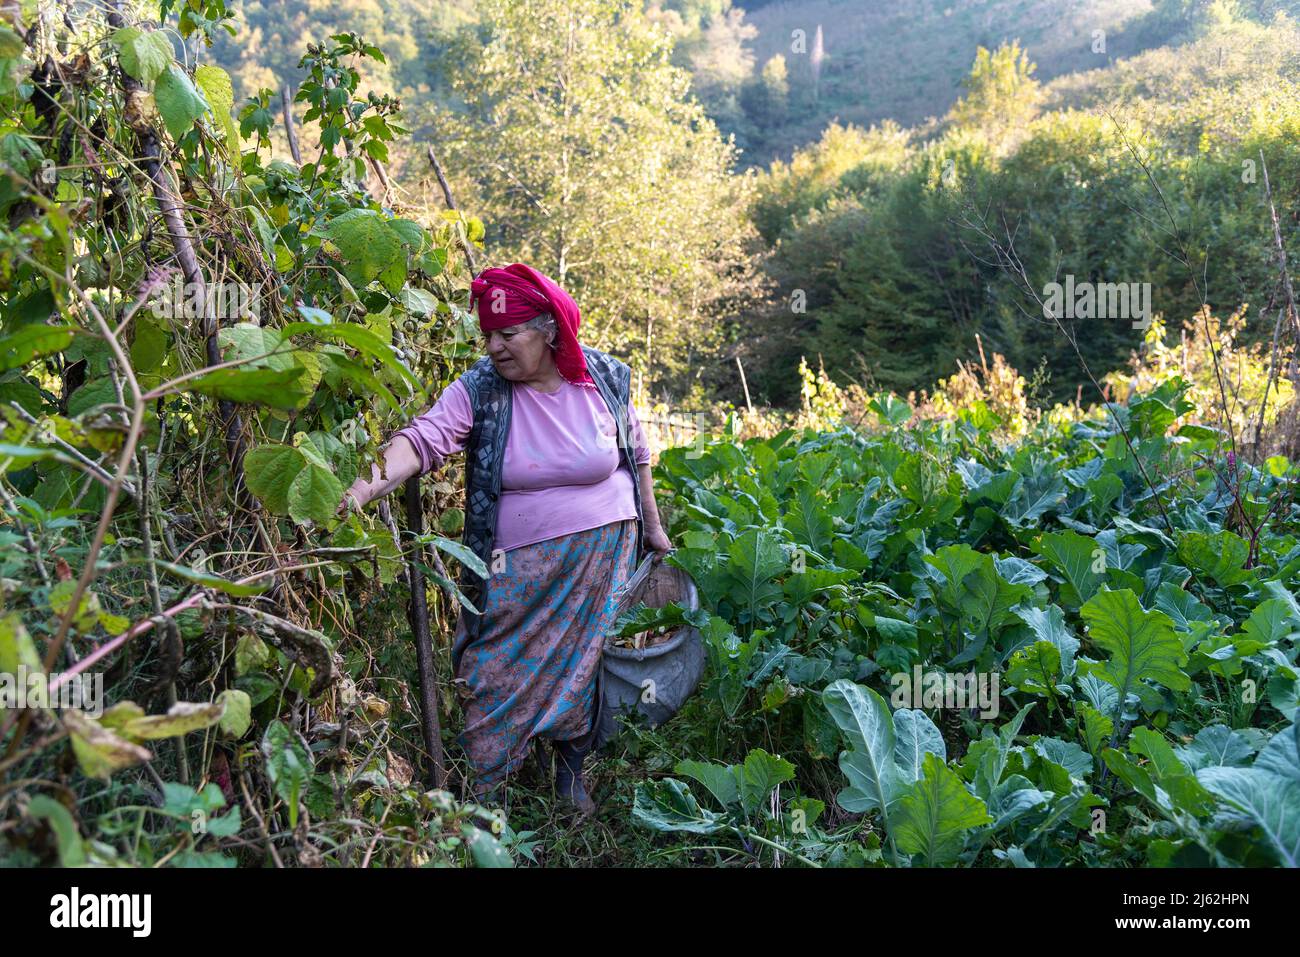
[(286, 108), (435, 771)]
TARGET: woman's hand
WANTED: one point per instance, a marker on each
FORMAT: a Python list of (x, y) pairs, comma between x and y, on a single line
[(656, 540), (350, 503), (400, 464)]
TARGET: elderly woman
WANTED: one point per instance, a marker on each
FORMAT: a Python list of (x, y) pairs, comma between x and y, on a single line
[(559, 504)]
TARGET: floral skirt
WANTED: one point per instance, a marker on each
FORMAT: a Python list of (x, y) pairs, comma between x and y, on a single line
[(532, 671)]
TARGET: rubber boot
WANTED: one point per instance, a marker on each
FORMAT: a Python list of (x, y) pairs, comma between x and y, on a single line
[(569, 786)]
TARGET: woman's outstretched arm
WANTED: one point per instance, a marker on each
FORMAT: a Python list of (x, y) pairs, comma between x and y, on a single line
[(400, 463), (424, 444)]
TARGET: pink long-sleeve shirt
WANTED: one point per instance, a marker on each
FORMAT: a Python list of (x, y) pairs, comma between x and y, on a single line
[(561, 470)]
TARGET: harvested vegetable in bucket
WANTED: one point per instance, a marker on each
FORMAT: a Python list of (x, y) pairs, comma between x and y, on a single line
[(646, 627)]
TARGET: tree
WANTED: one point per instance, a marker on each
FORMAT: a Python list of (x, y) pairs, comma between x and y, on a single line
[(1197, 17), (593, 162), (766, 99), (720, 59), (1001, 93)]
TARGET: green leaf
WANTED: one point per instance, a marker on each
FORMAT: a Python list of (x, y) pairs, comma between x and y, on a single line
[(88, 611), (1076, 557), (890, 409), (16, 647), (1035, 668), (1034, 497), (933, 815), (181, 718), (1215, 746), (754, 560), (118, 716), (1142, 644), (393, 276), (99, 751), (410, 232), (90, 396), (333, 454), (809, 520), (1269, 801), (183, 800), (356, 372), (363, 340), (366, 242), (1222, 556), (251, 654), (760, 773), (1066, 754), (865, 721), (149, 345), (224, 825), (277, 388), (1168, 771), (288, 764), (972, 590), (1182, 607), (462, 554), (258, 346), (144, 56), (721, 779), (11, 44), (21, 456), (179, 101), (915, 736), (432, 263), (32, 342), (237, 713), (1272, 621), (1097, 728), (986, 759), (669, 805), (215, 85), (417, 301), (485, 849), (294, 481), (269, 471), (314, 495), (72, 850), (1281, 755), (208, 580)]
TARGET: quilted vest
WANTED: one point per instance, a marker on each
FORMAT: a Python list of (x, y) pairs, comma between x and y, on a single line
[(491, 397)]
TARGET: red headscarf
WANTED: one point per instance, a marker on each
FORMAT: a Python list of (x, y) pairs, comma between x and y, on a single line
[(518, 293)]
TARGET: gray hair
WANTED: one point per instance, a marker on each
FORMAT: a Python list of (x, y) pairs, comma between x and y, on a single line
[(545, 324)]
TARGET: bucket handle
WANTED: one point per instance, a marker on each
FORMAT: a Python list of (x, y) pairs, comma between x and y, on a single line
[(634, 581)]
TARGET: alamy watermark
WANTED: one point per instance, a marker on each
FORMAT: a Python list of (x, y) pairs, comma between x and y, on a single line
[(672, 429), (129, 911), (191, 300), (1098, 300), (939, 689), (26, 688)]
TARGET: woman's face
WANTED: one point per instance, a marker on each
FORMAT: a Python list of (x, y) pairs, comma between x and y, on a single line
[(518, 353)]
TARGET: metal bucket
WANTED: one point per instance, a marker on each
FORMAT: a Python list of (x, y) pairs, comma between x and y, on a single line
[(655, 681)]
